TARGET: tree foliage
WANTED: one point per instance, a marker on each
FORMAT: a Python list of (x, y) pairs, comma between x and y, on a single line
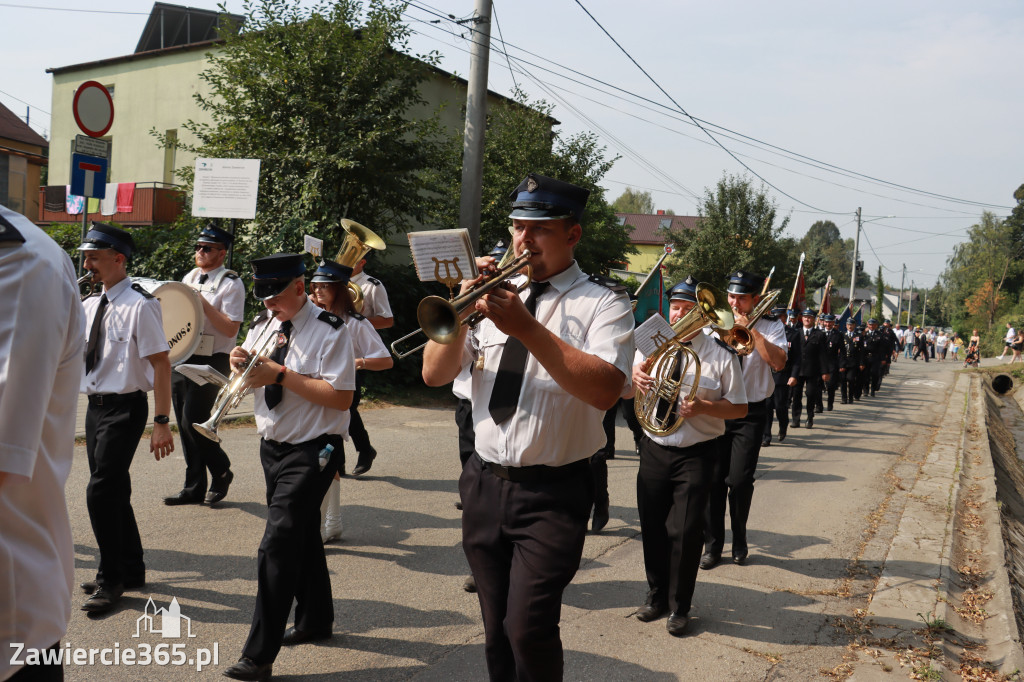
[(737, 229), (634, 201), (878, 312)]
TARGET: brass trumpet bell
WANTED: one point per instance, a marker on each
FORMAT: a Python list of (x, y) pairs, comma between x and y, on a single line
[(739, 337), (359, 241)]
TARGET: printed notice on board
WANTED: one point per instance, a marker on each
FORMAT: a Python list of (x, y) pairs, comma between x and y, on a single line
[(226, 188)]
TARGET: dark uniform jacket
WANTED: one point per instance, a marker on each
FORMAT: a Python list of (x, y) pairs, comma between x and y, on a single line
[(852, 353), (793, 340), (876, 345), (835, 348), (813, 353)]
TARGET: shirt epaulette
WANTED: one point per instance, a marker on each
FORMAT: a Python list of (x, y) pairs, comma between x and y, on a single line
[(607, 282), (9, 234), (769, 316), (373, 280), (231, 274), (259, 318), (138, 287), (724, 345), (331, 319), (356, 316)]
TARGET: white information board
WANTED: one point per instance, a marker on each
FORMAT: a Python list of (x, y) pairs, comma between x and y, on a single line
[(226, 188)]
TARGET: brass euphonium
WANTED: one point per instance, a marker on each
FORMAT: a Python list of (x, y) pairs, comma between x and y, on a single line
[(656, 409), (739, 337), (358, 242)]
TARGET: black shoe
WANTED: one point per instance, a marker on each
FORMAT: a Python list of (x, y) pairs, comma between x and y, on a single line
[(818, 409), (91, 586), (765, 442), (782, 432), (458, 505), (470, 584), (365, 462), (600, 518), (248, 669), (293, 636), (709, 560), (219, 488), (182, 498), (810, 423), (103, 600), (795, 424), (677, 625), (740, 558), (830, 407), (872, 394), (649, 612)]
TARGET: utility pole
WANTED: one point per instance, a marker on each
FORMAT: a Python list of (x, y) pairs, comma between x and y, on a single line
[(856, 246), (476, 122), (924, 310), (910, 302), (899, 303)]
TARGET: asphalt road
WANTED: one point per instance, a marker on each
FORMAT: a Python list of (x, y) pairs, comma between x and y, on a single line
[(823, 506)]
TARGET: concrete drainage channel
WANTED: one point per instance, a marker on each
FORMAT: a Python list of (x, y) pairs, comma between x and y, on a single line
[(1006, 437)]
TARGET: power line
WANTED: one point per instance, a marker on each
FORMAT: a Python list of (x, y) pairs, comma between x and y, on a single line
[(73, 9), (494, 11), (24, 102)]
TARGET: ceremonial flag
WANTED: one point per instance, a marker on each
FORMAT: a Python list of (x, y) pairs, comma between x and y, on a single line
[(856, 318), (826, 300), (841, 324)]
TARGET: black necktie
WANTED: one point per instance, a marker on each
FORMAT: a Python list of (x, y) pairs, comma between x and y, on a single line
[(509, 381), (203, 277), (92, 348), (274, 392)]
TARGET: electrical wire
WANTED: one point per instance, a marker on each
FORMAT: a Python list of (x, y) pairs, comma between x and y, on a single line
[(494, 11), (73, 9)]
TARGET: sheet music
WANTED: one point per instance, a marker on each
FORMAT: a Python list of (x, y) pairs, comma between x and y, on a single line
[(652, 334), (441, 254), (202, 374)]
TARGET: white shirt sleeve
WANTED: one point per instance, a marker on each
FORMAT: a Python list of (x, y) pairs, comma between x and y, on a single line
[(233, 304), (149, 329), (337, 361), (366, 342)]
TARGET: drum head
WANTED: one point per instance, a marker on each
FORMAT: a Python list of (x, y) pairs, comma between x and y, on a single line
[(182, 315)]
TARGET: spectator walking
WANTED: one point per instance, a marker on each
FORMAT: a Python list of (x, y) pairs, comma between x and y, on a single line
[(941, 343)]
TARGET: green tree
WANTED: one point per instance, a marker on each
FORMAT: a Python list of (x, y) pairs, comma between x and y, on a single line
[(324, 97), (878, 311), (634, 201), (737, 229)]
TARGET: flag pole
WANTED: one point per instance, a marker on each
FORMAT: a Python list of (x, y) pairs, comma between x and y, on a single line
[(799, 271)]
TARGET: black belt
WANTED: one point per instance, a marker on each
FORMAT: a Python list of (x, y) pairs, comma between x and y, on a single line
[(109, 399), (536, 473)]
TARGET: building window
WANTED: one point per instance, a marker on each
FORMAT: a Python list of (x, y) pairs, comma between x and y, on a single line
[(666, 223), (14, 182), (622, 220)]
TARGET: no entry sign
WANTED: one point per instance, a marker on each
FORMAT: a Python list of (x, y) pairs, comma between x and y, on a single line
[(93, 108)]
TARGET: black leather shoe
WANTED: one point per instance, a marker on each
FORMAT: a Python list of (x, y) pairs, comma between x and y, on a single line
[(600, 518), (677, 625), (182, 498), (818, 409), (365, 462), (247, 669), (293, 636), (830, 407), (810, 423), (103, 600), (649, 612), (782, 432), (458, 505), (740, 557), (765, 442), (470, 584), (91, 586), (219, 488), (795, 423), (709, 561)]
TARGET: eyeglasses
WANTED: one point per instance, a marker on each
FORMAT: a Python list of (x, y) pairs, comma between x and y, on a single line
[(320, 286), (206, 248)]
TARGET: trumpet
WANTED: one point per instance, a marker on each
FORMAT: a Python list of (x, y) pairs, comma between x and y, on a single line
[(656, 408), (234, 390), (89, 278), (439, 317), (739, 337)]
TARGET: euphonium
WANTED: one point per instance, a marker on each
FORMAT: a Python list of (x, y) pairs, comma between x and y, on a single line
[(739, 337), (358, 242), (234, 390), (674, 359)]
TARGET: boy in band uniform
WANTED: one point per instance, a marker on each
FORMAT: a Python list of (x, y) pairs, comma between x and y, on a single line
[(675, 470), (302, 393), (126, 356), (733, 477), (549, 367), (223, 297)]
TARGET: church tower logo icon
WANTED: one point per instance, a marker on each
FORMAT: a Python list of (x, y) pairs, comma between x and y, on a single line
[(165, 622)]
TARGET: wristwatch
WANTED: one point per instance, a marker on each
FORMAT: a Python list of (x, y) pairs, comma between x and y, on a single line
[(161, 419)]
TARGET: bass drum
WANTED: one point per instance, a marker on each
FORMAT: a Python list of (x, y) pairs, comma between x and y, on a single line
[(182, 313)]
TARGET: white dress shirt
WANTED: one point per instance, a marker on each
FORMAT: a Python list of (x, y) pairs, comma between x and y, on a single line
[(316, 350), (757, 374), (720, 377), (133, 329), (375, 296), (41, 365), (366, 342), (226, 294), (551, 426)]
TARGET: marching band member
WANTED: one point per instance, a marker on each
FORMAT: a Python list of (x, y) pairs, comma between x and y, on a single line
[(126, 356), (223, 297), (835, 345), (550, 366), (329, 288), (733, 477), (302, 393), (674, 479)]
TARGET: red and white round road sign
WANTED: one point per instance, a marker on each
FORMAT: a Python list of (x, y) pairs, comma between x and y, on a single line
[(93, 108)]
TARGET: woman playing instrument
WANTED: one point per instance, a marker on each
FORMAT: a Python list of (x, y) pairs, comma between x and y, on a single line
[(329, 290)]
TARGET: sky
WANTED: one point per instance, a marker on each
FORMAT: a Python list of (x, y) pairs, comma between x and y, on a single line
[(911, 110)]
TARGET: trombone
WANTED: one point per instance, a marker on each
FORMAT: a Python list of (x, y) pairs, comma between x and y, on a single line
[(739, 337), (234, 390), (439, 317)]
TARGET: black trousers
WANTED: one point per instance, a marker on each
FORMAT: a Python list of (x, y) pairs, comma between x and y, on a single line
[(629, 412), (467, 434), (192, 403), (732, 479), (291, 563), (849, 383), (356, 430), (809, 387), (777, 408), (873, 380), (523, 542), (112, 434), (831, 385), (672, 489)]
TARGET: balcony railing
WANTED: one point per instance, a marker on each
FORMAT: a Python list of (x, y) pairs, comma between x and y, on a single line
[(153, 202)]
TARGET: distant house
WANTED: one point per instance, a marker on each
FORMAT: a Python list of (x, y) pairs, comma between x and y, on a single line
[(23, 153), (890, 300), (649, 236)]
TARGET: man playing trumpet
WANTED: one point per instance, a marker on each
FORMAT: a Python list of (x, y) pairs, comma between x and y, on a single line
[(675, 470)]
